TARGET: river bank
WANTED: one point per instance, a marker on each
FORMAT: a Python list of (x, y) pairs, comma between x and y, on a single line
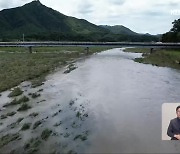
[(17, 65), (35, 110), (90, 109), (160, 57)]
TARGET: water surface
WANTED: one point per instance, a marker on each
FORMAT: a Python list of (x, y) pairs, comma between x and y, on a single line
[(112, 102)]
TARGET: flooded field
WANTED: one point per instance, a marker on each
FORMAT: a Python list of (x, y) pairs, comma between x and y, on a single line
[(106, 103)]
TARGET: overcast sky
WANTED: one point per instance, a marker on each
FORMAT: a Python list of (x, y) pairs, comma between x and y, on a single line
[(142, 16)]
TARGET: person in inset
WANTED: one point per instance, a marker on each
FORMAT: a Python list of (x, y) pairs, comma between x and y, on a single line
[(174, 126)]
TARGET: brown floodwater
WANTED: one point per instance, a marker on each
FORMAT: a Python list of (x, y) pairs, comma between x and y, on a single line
[(109, 104)]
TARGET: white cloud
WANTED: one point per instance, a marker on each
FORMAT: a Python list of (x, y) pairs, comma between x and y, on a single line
[(152, 16)]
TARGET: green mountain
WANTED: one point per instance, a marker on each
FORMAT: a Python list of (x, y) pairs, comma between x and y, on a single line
[(130, 35), (35, 18), (119, 29), (37, 22)]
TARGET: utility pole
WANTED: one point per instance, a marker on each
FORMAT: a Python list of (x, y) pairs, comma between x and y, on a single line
[(23, 37)]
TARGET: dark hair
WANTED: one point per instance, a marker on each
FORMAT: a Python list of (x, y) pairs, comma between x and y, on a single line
[(178, 108)]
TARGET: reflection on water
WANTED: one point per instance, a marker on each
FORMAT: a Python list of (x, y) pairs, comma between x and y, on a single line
[(125, 101)]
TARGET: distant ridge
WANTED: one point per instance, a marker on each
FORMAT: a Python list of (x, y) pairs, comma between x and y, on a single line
[(119, 29), (38, 22)]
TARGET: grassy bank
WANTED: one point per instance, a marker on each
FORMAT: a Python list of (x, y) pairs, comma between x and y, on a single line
[(137, 50), (17, 65), (160, 57), (52, 49)]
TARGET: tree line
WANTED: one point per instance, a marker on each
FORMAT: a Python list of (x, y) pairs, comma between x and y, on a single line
[(174, 34)]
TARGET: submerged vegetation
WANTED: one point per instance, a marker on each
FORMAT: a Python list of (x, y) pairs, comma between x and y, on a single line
[(32, 145), (4, 116), (11, 113), (15, 92), (34, 114), (54, 126), (70, 68), (35, 95), (24, 107), (15, 101), (36, 124), (8, 138), (45, 134), (26, 126)]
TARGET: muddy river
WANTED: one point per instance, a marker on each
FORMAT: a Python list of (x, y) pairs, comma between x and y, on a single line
[(108, 104)]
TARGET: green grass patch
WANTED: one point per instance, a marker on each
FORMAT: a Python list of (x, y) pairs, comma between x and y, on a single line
[(8, 138), (163, 58), (55, 114), (54, 49), (41, 101), (15, 92), (137, 50), (81, 137), (36, 124), (37, 82), (32, 145), (46, 133), (3, 116), (40, 90), (24, 107), (14, 124), (34, 114), (35, 95), (23, 99), (57, 124), (26, 126), (78, 114), (11, 113), (71, 102), (13, 49), (22, 66)]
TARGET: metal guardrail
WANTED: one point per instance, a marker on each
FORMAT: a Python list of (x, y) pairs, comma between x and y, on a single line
[(115, 44)]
